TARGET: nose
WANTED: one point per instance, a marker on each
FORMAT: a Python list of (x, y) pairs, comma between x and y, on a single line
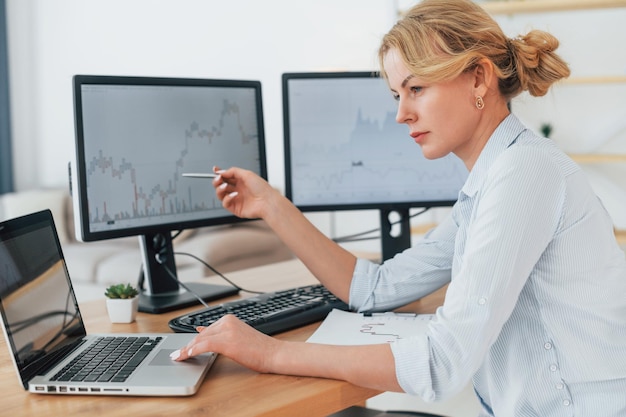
[(404, 113)]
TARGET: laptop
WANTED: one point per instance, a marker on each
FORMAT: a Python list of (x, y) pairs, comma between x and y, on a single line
[(46, 335)]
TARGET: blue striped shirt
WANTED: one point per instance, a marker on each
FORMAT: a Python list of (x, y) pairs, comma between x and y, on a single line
[(535, 313)]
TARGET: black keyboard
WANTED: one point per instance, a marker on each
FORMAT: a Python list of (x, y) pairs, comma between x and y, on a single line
[(270, 313)]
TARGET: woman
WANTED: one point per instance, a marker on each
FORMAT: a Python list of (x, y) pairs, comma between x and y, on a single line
[(535, 311)]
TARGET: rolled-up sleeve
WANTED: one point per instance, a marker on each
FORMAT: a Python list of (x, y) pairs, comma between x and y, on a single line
[(410, 275)]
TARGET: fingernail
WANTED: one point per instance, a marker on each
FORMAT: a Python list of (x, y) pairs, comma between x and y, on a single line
[(233, 194), (224, 185), (175, 355), (190, 352)]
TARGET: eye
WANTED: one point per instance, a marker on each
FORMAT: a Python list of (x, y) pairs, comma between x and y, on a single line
[(416, 90), (396, 96)]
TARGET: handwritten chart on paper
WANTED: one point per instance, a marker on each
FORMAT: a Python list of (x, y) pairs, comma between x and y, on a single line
[(346, 328)]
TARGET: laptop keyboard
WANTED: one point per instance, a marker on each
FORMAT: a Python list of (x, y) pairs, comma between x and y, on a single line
[(108, 359)]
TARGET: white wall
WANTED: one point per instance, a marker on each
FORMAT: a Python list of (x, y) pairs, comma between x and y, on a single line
[(242, 39), (249, 39)]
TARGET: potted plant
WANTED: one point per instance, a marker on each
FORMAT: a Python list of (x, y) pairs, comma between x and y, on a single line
[(122, 303)]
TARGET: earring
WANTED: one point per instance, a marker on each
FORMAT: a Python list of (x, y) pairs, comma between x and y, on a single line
[(479, 103)]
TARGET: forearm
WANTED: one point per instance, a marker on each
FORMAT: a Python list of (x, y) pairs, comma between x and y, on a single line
[(328, 261), (370, 366)]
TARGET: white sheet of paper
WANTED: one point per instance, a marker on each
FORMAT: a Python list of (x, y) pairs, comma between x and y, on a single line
[(346, 328)]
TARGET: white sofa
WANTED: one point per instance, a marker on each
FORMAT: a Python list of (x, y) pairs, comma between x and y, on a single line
[(95, 265)]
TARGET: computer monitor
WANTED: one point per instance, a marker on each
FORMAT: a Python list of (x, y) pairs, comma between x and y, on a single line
[(135, 137), (344, 150)]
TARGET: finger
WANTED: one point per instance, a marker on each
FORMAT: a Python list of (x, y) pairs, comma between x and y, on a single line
[(219, 185), (193, 349), (227, 201), (222, 190), (217, 170), (225, 177), (223, 185), (187, 351), (184, 353), (230, 175), (177, 355)]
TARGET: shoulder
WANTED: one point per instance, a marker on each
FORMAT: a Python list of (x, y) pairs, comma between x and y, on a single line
[(532, 171), (534, 156)]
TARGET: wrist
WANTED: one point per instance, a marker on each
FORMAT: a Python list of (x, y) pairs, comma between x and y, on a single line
[(274, 209)]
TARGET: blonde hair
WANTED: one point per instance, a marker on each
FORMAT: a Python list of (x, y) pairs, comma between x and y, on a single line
[(440, 39)]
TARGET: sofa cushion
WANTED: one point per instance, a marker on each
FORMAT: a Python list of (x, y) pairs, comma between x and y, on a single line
[(84, 259), (233, 245), (25, 202)]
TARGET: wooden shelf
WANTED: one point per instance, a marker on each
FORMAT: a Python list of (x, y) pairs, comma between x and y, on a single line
[(620, 234), (421, 229), (601, 79), (592, 158), (535, 6)]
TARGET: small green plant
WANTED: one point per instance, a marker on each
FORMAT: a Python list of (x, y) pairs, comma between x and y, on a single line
[(121, 291), (546, 129)]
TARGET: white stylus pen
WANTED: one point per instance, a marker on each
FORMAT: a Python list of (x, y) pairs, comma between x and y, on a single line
[(200, 174)]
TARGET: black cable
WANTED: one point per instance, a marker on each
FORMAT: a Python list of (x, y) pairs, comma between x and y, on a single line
[(175, 278), (351, 238), (218, 273), (358, 239)]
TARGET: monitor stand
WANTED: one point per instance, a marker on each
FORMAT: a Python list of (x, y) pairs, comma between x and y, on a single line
[(163, 292), (392, 242)]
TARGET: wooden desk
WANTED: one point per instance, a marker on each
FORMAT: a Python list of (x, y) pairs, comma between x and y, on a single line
[(229, 390)]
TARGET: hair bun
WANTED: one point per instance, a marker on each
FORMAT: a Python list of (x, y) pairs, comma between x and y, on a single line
[(538, 66)]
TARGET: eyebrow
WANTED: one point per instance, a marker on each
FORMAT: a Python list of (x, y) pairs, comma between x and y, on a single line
[(406, 80)]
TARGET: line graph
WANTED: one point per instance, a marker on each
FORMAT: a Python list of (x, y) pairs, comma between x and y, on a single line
[(376, 161), (346, 147), (139, 151), (348, 328), (377, 329)]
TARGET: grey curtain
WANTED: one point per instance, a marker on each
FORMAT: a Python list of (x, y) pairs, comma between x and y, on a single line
[(6, 164)]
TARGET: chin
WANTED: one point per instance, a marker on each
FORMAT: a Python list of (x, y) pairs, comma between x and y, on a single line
[(432, 154)]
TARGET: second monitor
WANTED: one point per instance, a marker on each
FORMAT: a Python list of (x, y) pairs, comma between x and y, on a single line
[(344, 150)]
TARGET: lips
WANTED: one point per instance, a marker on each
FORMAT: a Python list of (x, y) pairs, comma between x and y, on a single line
[(418, 136)]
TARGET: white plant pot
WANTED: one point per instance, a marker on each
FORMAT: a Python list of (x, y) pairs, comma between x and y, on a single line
[(122, 310)]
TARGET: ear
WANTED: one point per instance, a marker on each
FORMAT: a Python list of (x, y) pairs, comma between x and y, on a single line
[(485, 78)]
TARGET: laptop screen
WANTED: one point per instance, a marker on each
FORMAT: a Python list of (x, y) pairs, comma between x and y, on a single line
[(39, 310)]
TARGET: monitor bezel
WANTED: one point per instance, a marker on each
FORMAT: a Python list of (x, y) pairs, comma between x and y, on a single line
[(370, 205), (83, 231)]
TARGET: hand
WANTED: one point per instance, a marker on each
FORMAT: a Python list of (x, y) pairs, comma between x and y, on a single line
[(231, 337), (242, 192)]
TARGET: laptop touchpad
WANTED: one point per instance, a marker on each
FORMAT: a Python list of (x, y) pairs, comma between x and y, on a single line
[(162, 358)]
